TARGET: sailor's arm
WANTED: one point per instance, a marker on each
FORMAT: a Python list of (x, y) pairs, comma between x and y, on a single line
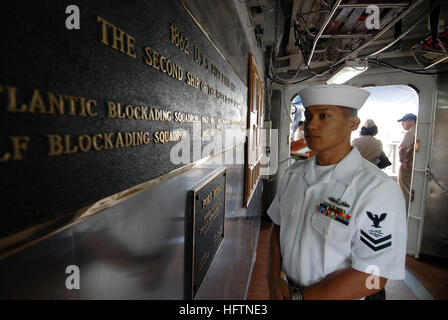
[(278, 288), (345, 284)]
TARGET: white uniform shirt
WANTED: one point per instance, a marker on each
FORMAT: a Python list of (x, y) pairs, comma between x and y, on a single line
[(318, 238)]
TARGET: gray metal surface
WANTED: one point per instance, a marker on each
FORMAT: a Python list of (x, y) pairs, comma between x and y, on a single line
[(135, 250), (221, 20), (435, 229)]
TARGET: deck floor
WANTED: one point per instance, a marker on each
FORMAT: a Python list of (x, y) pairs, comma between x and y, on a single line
[(424, 279)]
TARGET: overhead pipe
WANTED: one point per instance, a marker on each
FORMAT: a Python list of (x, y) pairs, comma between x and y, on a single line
[(322, 29), (379, 5), (417, 22), (383, 31), (441, 59)]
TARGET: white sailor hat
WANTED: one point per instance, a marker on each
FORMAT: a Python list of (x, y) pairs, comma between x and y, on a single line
[(369, 124), (334, 95)]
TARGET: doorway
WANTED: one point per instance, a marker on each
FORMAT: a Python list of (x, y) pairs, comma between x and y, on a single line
[(385, 105)]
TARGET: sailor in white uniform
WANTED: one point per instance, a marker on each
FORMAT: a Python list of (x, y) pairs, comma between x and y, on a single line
[(339, 222)]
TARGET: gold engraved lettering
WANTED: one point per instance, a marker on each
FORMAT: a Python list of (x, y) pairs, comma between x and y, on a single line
[(225, 80), (56, 103), (216, 72), (146, 138), (12, 97), (129, 141), (158, 115), (37, 103), (204, 87), (129, 112), (62, 144), (108, 142), (95, 142), (169, 136), (105, 24), (203, 261), (167, 115), (138, 113), (120, 115), (131, 47), (217, 191), (144, 113), (179, 40), (211, 91), (83, 107), (85, 143), (201, 59), (206, 227), (89, 108), (148, 56), (138, 138), (151, 114), (169, 68), (112, 109), (155, 60), (118, 38), (72, 101), (6, 157), (19, 144), (163, 64), (119, 141), (206, 201), (185, 117), (67, 146), (218, 234), (56, 147), (208, 214), (192, 80)]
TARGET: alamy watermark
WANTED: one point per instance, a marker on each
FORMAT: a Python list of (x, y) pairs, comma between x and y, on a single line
[(227, 147), (73, 281), (373, 281), (373, 19), (73, 21)]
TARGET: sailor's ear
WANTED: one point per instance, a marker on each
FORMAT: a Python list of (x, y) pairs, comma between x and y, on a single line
[(353, 123)]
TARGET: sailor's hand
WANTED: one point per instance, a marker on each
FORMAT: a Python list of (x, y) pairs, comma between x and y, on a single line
[(279, 290), (406, 164)]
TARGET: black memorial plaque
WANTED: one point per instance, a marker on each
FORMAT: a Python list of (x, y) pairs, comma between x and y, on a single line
[(204, 229), (86, 113)]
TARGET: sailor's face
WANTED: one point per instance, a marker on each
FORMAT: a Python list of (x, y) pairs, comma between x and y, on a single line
[(327, 127)]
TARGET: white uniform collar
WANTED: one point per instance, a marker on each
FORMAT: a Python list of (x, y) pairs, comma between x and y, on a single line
[(343, 172)]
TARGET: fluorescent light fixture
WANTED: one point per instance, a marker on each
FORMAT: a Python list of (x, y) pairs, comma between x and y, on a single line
[(351, 69)]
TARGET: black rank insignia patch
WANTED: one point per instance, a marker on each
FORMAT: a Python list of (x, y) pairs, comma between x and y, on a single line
[(375, 219), (374, 238), (376, 244)]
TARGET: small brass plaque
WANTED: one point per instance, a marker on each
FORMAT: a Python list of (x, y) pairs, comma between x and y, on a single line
[(204, 229)]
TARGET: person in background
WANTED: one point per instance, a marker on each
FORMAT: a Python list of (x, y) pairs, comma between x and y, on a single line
[(370, 147), (298, 134), (299, 148), (406, 154)]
